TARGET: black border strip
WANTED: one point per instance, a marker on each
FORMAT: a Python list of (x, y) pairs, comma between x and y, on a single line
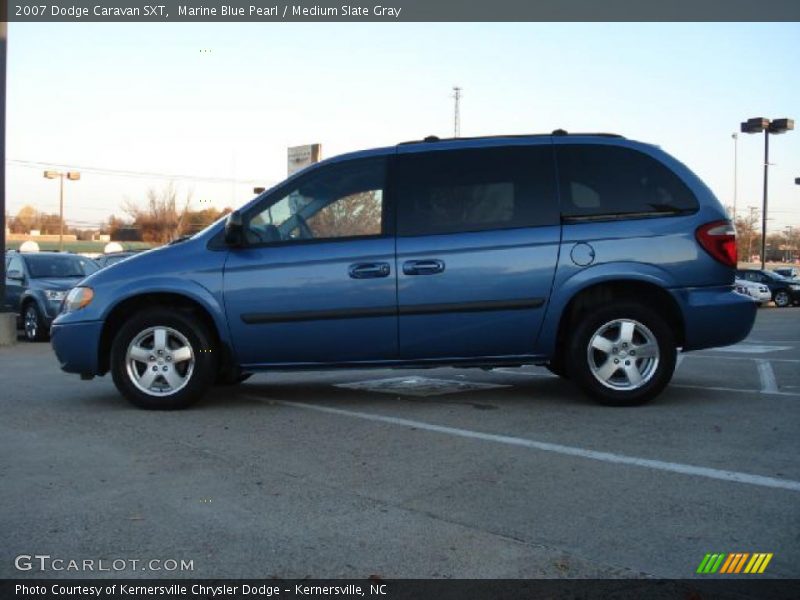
[(394, 11), (389, 311)]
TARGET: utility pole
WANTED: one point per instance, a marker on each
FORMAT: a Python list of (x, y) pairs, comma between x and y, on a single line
[(457, 112), (735, 137), (750, 223)]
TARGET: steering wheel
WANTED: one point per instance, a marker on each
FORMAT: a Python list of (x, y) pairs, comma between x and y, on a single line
[(303, 228)]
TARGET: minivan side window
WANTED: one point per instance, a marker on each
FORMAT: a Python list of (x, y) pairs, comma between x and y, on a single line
[(602, 181), (338, 201), (449, 191)]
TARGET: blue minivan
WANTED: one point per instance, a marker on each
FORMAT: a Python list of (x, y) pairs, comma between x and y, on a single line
[(594, 255)]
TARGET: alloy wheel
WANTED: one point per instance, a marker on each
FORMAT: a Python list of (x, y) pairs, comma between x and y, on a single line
[(31, 323), (623, 354), (160, 361)]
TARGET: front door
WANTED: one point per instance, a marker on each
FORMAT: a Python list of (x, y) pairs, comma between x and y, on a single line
[(315, 282), (477, 246)]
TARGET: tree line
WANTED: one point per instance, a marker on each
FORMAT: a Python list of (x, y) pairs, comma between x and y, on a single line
[(161, 218)]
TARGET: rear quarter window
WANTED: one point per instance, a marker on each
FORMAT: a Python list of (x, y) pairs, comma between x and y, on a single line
[(603, 181)]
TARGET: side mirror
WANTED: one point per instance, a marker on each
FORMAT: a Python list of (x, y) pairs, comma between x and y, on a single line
[(15, 274), (234, 229)]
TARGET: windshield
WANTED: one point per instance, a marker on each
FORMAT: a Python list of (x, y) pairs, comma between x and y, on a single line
[(68, 265)]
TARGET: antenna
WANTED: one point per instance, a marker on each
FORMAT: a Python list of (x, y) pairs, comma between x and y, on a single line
[(457, 112)]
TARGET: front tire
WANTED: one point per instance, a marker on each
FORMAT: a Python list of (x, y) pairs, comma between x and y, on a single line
[(622, 355), (163, 360), (33, 323)]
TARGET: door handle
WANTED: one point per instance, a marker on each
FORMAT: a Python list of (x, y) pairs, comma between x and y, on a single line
[(369, 270), (423, 267)]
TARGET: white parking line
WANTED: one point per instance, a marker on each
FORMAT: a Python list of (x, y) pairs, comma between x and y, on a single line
[(716, 357), (608, 457), (768, 383), (715, 388)]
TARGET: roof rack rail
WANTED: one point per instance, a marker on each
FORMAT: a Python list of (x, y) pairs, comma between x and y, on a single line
[(557, 132)]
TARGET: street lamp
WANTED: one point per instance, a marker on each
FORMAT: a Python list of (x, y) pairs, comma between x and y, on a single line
[(72, 176), (757, 125)]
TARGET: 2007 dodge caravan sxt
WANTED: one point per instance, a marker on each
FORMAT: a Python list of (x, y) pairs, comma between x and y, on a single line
[(592, 254)]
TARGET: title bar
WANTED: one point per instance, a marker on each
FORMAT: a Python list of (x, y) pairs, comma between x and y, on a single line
[(402, 10)]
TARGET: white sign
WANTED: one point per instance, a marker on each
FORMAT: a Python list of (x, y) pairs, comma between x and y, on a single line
[(299, 157)]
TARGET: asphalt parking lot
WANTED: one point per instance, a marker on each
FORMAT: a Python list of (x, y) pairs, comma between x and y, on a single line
[(346, 474)]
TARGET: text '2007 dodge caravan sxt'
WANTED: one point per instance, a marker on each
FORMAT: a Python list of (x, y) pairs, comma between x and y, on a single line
[(592, 254)]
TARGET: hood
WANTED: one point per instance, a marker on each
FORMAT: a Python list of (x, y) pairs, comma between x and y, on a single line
[(54, 283)]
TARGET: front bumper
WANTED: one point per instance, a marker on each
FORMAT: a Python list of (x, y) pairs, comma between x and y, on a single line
[(76, 344), (716, 316)]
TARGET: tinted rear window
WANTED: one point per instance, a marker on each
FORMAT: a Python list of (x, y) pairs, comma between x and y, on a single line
[(600, 180), (475, 190)]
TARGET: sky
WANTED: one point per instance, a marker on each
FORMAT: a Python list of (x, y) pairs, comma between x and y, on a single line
[(218, 104)]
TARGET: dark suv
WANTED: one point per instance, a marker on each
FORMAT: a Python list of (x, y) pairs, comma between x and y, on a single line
[(36, 284), (594, 255), (785, 292)]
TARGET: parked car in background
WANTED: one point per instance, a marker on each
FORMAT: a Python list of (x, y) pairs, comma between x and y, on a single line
[(785, 292), (757, 291), (107, 260), (36, 284), (594, 255), (787, 272)]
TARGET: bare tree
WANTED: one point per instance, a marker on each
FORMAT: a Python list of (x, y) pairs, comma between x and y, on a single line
[(162, 218)]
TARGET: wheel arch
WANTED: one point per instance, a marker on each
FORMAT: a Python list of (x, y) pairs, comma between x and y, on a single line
[(172, 300), (641, 291)]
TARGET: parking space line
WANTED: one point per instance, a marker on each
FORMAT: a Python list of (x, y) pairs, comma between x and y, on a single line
[(608, 457), (729, 389), (716, 357), (768, 383)]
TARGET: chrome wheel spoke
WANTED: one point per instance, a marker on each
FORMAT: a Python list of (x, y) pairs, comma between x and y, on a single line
[(633, 374), (160, 339), (646, 351), (626, 332), (147, 378), (602, 344), (607, 371), (181, 354), (140, 354), (173, 378)]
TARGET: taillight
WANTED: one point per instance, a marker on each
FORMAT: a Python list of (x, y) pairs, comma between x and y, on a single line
[(718, 238)]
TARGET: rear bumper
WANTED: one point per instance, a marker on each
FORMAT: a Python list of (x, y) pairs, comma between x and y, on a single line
[(715, 316), (75, 345)]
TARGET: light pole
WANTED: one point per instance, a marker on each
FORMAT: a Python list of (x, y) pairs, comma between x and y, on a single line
[(757, 125), (72, 176), (735, 137)]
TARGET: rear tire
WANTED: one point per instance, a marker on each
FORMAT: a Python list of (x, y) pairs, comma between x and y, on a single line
[(781, 299), (621, 355), (163, 360)]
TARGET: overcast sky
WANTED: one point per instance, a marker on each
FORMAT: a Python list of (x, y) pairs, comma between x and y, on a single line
[(225, 100)]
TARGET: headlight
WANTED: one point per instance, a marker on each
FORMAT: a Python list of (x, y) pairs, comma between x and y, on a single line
[(78, 298), (55, 295), (795, 286)]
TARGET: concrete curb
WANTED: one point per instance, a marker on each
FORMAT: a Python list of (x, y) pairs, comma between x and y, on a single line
[(8, 328)]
